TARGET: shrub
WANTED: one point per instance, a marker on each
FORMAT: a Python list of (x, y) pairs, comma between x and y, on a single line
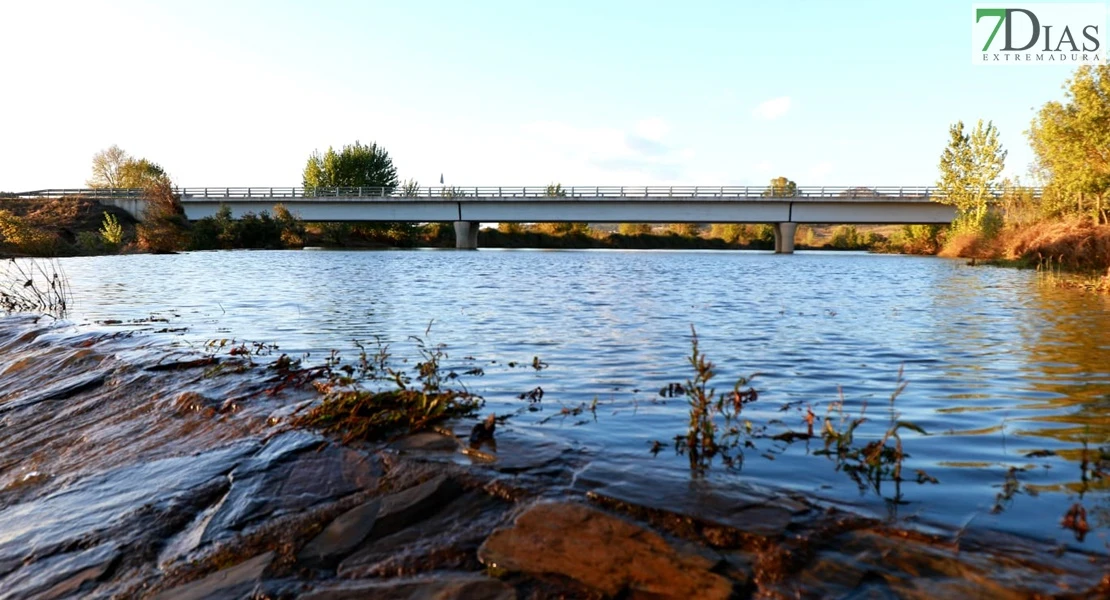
[(111, 232), (20, 237), (292, 229), (164, 227), (690, 230), (634, 228)]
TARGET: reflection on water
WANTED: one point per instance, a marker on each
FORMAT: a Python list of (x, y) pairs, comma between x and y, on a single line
[(1011, 379)]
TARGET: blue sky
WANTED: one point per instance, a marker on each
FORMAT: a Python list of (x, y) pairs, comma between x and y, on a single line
[(504, 93)]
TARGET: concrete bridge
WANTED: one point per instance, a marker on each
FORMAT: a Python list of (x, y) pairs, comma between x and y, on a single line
[(467, 207)]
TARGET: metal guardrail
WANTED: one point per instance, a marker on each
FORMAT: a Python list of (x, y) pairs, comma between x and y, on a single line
[(450, 193)]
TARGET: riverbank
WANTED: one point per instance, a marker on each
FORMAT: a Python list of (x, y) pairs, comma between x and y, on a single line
[(132, 469), (1071, 252), (78, 227)]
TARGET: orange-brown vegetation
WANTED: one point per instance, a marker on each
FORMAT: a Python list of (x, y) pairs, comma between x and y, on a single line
[(1073, 244)]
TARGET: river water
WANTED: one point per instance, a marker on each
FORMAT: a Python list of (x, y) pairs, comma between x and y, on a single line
[(1002, 372)]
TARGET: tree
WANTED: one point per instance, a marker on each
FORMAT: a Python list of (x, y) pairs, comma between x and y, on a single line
[(1071, 141), (141, 173), (164, 227), (106, 166), (356, 165), (781, 187), (969, 171), (113, 168), (555, 190)]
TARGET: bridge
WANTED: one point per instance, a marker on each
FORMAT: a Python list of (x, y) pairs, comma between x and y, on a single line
[(467, 207)]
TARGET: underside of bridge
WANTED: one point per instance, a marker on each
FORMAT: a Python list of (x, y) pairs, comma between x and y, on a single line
[(466, 236)]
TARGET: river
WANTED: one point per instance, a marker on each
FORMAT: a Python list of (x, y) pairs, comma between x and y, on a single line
[(1001, 371)]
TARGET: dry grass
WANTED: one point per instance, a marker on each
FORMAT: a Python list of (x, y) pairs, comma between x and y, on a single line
[(1074, 244), (970, 245)]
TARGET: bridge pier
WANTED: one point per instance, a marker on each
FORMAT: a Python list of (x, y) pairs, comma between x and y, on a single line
[(784, 237), (466, 235)]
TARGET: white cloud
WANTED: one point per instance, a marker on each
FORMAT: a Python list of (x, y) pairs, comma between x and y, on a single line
[(764, 166), (773, 108), (653, 129)]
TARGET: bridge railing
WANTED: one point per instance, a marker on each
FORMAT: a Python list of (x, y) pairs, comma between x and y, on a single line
[(454, 192)]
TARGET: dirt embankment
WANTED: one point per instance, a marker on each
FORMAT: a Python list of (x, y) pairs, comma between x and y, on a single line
[(63, 218)]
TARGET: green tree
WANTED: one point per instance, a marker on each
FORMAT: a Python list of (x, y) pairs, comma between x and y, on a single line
[(781, 187), (356, 165), (141, 173), (969, 169), (1071, 141)]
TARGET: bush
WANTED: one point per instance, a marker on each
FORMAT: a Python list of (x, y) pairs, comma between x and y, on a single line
[(164, 227), (690, 230), (111, 232), (20, 237), (90, 243), (634, 228), (292, 229)]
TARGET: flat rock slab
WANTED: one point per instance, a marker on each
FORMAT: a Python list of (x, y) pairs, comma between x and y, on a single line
[(61, 575), (233, 583), (110, 505), (450, 538), (377, 518), (294, 471), (437, 586), (601, 551), (738, 506)]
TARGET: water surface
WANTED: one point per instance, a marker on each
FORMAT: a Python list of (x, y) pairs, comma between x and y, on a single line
[(998, 366)]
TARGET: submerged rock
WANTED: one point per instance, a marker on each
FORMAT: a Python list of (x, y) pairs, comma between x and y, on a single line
[(603, 552), (377, 518)]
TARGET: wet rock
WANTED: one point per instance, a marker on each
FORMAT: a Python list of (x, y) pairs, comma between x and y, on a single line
[(377, 518), (61, 390), (293, 472), (234, 583), (601, 551), (60, 575), (342, 535), (746, 509), (438, 586), (126, 505), (871, 563), (449, 539)]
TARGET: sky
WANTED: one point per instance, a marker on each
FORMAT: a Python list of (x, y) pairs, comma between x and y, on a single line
[(516, 92)]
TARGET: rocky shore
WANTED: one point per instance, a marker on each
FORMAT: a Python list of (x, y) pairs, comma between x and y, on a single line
[(129, 472)]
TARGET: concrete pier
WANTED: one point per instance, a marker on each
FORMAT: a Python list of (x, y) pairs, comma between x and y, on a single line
[(466, 235), (784, 237)]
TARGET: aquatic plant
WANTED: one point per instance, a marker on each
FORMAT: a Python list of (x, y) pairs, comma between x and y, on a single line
[(356, 412), (33, 285), (714, 428)]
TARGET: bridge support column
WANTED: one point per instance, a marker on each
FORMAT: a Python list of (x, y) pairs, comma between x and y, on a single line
[(466, 235), (784, 237)]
